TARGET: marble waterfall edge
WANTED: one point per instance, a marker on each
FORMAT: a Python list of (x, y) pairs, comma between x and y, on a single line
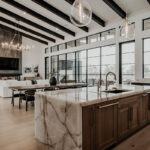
[(58, 123)]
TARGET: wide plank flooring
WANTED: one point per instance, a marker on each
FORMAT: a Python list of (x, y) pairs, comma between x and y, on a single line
[(17, 130)]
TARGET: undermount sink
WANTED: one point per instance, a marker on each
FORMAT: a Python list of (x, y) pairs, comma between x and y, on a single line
[(116, 91)]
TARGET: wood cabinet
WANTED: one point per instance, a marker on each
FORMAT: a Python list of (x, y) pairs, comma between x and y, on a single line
[(105, 124), (99, 126), (105, 130), (144, 109), (128, 112), (88, 127)]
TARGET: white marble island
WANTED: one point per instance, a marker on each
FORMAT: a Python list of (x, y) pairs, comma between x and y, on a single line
[(58, 114)]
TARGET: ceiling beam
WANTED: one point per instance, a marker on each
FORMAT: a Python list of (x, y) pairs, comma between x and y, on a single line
[(23, 34), (116, 8), (94, 17), (26, 29), (39, 16), (15, 16), (56, 12), (148, 1)]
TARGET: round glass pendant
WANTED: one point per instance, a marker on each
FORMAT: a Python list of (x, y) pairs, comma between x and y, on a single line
[(81, 13)]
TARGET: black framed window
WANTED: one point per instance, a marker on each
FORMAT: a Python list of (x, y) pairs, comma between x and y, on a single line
[(146, 24), (62, 68), (70, 44), (146, 58), (62, 47), (54, 49), (81, 41), (108, 60), (93, 69), (127, 62), (71, 73), (47, 68), (46, 50), (54, 66), (81, 66)]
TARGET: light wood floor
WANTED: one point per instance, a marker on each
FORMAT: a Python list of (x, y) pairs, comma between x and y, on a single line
[(17, 131)]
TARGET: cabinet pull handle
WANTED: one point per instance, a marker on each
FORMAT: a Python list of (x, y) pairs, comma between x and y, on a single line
[(100, 107), (145, 95)]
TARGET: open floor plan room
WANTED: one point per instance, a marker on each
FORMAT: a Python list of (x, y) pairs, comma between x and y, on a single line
[(75, 75)]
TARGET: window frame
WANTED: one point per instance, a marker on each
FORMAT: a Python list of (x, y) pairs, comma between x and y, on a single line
[(120, 59)]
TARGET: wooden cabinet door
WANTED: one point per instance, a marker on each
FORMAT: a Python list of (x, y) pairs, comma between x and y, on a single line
[(128, 116), (134, 115), (144, 110), (88, 127), (105, 125), (123, 120)]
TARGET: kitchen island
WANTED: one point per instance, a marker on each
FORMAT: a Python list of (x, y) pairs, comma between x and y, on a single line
[(85, 119)]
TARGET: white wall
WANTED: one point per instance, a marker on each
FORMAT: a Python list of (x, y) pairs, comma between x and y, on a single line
[(139, 35), (34, 57)]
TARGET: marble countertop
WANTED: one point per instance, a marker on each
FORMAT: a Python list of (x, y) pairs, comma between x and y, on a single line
[(89, 95)]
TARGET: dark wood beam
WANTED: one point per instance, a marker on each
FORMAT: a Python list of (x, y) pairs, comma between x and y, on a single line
[(26, 29), (56, 12), (116, 8), (148, 1), (15, 16), (94, 17), (23, 34), (39, 16)]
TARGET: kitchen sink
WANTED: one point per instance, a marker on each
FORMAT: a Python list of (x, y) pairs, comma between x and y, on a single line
[(115, 91)]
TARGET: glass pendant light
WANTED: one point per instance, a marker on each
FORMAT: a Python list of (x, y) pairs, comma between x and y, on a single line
[(127, 29), (81, 13)]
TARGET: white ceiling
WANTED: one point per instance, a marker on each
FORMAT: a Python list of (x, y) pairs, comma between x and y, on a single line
[(98, 7)]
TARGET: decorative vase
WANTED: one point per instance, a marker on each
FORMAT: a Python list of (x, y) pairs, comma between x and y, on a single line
[(52, 81)]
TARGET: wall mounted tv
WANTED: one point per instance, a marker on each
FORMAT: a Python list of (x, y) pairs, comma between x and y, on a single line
[(9, 63)]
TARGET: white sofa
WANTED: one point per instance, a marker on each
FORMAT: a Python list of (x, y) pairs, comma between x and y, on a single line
[(5, 84), (42, 82)]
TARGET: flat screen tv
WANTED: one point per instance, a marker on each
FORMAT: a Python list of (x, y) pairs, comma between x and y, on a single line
[(9, 63)]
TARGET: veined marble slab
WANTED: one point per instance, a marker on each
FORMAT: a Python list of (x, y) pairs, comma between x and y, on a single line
[(58, 114)]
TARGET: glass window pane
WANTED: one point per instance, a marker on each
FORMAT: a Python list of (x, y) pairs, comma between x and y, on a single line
[(94, 52), (147, 58), (54, 48), (70, 44), (108, 68), (108, 50), (128, 58), (94, 70), (93, 38), (81, 78), (128, 61), (110, 34), (93, 79), (71, 67), (81, 41), (146, 44), (62, 47), (146, 24), (46, 50), (93, 61)]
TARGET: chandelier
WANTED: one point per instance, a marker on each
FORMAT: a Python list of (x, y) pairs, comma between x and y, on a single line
[(15, 44)]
